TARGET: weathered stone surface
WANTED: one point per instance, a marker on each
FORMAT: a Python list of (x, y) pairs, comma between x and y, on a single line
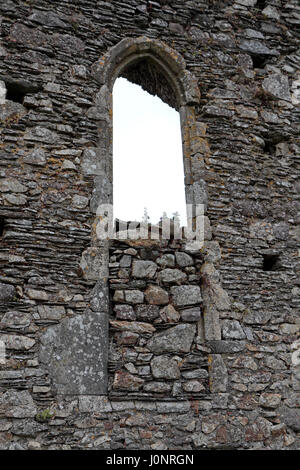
[(136, 327), (271, 12), (36, 157), (94, 404), (7, 292), (168, 314), (172, 275), (195, 374), (124, 312), (16, 320), (257, 318), (166, 261), (156, 295), (186, 295), (193, 386), (277, 85), (41, 134), (77, 363), (270, 400), (11, 185), (291, 417), (11, 110), (128, 338), (143, 269), (176, 339), (17, 404), (183, 259), (147, 312), (218, 376), (258, 431), (27, 428), (51, 313), (91, 163), (35, 294), (126, 381), (191, 314), (15, 200), (2, 92), (19, 343), (134, 296), (94, 263), (231, 329), (164, 367), (80, 202), (125, 261), (157, 387)]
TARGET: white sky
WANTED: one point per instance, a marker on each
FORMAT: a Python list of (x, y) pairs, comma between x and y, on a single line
[(147, 150)]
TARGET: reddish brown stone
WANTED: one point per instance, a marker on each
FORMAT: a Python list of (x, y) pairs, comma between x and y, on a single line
[(247, 402), (221, 435), (145, 434), (125, 381), (127, 338), (156, 295)]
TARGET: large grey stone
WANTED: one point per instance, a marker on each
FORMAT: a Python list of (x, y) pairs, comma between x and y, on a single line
[(218, 376), (74, 353), (144, 269), (260, 317), (164, 367), (147, 312), (176, 339), (11, 110), (186, 295), (134, 296), (17, 342), (7, 292), (94, 262), (51, 313), (183, 259), (15, 320), (12, 185), (124, 312), (17, 404), (277, 85), (28, 428), (172, 275), (231, 329), (256, 47), (166, 261), (36, 157), (41, 134), (92, 163), (291, 417), (191, 314), (94, 404)]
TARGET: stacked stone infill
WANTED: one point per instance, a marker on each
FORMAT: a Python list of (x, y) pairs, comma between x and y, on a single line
[(156, 322)]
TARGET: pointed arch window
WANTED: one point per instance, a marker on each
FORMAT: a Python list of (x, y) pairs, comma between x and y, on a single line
[(147, 156)]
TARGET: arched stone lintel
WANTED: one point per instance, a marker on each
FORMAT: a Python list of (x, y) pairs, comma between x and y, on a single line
[(129, 50)]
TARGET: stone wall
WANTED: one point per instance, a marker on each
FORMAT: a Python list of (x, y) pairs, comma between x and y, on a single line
[(156, 322), (244, 55)]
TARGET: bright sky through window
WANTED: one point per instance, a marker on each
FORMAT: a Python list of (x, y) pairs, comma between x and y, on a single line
[(147, 150)]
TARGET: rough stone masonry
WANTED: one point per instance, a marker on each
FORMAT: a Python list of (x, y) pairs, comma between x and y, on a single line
[(138, 345)]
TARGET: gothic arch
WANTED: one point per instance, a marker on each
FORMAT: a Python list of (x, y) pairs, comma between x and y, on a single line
[(171, 63), (121, 60)]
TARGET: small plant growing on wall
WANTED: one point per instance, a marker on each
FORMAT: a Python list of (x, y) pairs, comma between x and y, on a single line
[(44, 416)]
